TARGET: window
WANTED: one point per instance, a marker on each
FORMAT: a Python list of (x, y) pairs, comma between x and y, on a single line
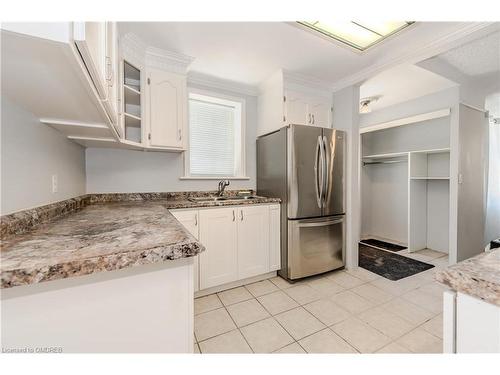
[(360, 35), (216, 133)]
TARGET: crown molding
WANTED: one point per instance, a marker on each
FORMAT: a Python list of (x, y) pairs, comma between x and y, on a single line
[(134, 50), (196, 78), (163, 59), (436, 47)]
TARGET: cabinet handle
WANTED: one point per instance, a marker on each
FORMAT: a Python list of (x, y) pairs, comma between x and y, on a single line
[(109, 71), (313, 119), (234, 217), (241, 215), (309, 118), (180, 134), (195, 220)]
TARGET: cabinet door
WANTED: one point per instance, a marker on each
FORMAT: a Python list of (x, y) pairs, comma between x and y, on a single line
[(274, 238), (296, 108), (111, 71), (190, 220), (90, 40), (253, 241), (166, 105), (219, 261), (321, 112)]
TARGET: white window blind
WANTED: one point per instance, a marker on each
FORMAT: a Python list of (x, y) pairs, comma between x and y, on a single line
[(214, 136)]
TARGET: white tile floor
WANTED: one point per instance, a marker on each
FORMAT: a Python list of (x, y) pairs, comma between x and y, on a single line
[(339, 312)]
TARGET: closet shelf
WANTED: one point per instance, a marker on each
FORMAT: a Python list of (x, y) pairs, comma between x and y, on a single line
[(399, 154), (386, 156), (432, 151), (430, 178)]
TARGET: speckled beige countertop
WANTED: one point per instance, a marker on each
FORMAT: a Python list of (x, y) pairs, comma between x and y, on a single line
[(101, 237), (478, 276)]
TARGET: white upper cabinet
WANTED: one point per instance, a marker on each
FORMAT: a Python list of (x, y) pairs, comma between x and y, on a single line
[(160, 96), (287, 99), (320, 110), (296, 108), (97, 45), (111, 71), (166, 106), (305, 109)]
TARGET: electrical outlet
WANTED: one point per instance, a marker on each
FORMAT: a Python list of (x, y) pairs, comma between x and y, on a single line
[(54, 183)]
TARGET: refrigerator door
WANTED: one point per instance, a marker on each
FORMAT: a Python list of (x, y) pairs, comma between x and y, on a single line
[(315, 246), (333, 191), (305, 171)]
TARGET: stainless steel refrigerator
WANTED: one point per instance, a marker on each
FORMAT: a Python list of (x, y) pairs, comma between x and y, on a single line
[(305, 167)]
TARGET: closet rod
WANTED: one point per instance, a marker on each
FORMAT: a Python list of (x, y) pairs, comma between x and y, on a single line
[(383, 162)]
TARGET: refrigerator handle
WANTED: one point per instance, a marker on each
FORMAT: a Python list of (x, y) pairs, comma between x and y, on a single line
[(318, 162), (325, 179)]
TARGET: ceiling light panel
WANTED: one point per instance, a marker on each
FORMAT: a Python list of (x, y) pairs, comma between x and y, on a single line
[(357, 34)]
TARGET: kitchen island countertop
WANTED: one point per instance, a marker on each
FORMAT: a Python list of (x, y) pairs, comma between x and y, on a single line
[(478, 277)]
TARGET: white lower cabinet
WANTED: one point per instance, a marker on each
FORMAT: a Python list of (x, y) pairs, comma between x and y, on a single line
[(190, 220), (470, 325), (253, 241), (219, 262), (240, 242)]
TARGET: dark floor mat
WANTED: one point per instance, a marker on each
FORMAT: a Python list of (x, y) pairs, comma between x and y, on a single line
[(388, 265), (383, 244)]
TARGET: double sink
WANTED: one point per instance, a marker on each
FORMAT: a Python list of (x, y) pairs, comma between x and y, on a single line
[(221, 199)]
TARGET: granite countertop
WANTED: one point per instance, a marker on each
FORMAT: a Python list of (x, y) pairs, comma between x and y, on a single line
[(102, 236), (478, 277)]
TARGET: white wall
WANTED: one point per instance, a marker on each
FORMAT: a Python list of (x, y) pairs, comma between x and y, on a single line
[(385, 201), (31, 153), (346, 117), (428, 103), (124, 171)]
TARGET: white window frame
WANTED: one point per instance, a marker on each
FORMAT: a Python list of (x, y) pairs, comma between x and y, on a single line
[(242, 170)]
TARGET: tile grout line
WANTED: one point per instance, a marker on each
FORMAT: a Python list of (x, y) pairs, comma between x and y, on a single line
[(329, 297), (238, 328)]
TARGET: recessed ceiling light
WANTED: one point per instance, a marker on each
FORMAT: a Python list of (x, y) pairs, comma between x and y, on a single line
[(357, 34)]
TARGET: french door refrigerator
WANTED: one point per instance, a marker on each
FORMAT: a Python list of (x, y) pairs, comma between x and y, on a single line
[(305, 167)]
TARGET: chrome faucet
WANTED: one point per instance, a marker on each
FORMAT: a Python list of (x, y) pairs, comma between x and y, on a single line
[(222, 186)]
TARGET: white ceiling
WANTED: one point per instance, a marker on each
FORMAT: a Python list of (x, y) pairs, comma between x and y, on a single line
[(479, 57), (402, 83), (249, 52)]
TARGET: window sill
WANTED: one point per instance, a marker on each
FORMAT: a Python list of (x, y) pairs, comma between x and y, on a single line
[(213, 178)]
